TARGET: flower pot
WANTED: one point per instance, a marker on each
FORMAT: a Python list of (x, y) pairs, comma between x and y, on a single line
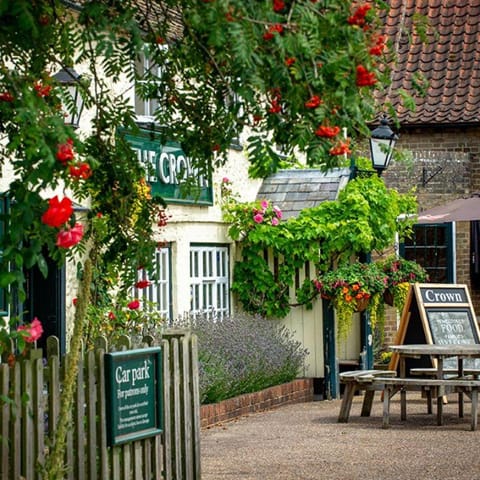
[(362, 304), (388, 297)]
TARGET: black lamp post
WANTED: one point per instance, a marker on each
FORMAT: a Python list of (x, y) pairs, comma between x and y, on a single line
[(69, 80), (382, 143)]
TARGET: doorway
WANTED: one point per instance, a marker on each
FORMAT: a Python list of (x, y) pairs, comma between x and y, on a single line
[(46, 301)]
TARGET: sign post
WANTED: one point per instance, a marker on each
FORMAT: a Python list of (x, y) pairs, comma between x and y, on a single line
[(134, 394)]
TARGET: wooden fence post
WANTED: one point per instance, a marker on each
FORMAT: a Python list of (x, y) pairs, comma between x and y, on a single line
[(30, 404)]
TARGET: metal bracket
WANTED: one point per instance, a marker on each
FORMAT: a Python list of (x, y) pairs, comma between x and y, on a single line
[(426, 178)]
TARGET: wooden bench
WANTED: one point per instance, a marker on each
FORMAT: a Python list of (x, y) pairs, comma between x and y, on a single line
[(354, 381), (448, 372), (435, 386)]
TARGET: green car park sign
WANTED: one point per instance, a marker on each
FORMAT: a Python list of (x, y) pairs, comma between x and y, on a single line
[(134, 391), (170, 170)]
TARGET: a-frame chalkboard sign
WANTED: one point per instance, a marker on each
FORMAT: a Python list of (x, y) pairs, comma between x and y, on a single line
[(440, 314)]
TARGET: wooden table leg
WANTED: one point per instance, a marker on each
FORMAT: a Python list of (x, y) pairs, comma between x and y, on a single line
[(403, 392), (403, 404), (387, 393), (460, 393), (439, 392), (367, 403), (346, 405), (474, 399)]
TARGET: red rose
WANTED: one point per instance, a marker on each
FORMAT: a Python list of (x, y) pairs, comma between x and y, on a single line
[(143, 284), (134, 305), (65, 151), (58, 212)]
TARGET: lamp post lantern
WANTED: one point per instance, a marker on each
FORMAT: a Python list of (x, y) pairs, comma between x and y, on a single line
[(382, 143), (69, 80)]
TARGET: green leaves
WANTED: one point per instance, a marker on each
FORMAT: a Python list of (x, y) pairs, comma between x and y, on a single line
[(365, 218)]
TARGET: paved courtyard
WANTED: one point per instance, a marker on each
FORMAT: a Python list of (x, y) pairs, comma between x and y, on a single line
[(305, 442)]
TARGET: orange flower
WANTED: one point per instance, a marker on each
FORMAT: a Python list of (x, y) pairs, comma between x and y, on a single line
[(345, 290), (355, 287), (348, 298)]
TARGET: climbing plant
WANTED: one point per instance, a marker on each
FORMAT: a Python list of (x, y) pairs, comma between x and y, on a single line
[(300, 74), (364, 219)]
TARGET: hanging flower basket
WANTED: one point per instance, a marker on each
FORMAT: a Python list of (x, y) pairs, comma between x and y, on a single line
[(352, 288), (388, 297), (400, 273), (362, 304)]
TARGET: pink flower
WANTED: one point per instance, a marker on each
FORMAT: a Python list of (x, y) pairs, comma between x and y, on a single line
[(264, 204), (134, 305), (275, 221), (69, 238), (278, 212), (34, 330), (225, 180), (258, 218)]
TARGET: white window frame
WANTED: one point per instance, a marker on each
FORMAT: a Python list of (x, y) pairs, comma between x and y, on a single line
[(210, 280), (159, 293), (149, 107)]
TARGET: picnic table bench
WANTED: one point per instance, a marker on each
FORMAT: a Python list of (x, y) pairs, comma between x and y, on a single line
[(448, 372), (435, 386), (354, 381)]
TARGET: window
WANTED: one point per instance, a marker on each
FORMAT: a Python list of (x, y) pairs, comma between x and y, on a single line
[(209, 280), (146, 102), (158, 293), (432, 247)]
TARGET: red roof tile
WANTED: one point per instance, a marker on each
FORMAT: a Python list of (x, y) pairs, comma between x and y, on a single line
[(449, 61)]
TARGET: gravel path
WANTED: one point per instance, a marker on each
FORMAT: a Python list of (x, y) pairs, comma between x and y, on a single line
[(305, 442)]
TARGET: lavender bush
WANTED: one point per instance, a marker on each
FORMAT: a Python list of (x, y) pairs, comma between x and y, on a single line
[(243, 354)]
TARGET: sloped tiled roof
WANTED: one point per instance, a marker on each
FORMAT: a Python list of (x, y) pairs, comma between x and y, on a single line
[(294, 190), (450, 60)]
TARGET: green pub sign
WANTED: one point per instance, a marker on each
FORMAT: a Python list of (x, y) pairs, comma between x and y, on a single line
[(134, 394), (170, 170)]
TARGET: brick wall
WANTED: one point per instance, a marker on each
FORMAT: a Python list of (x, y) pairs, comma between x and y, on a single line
[(445, 164), (297, 391)]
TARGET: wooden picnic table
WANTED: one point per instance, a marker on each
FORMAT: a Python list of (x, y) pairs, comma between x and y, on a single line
[(440, 382)]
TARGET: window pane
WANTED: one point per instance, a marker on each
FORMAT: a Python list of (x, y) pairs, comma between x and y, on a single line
[(158, 294), (209, 280)]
